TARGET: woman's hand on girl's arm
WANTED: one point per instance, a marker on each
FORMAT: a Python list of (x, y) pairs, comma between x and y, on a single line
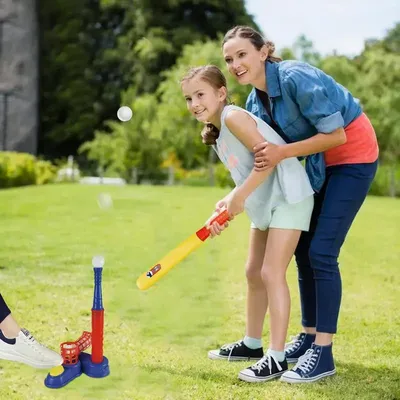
[(268, 155)]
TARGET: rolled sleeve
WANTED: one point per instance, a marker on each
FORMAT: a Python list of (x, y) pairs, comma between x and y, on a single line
[(311, 93), (330, 123)]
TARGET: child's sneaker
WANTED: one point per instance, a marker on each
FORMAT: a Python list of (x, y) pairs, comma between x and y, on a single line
[(298, 346), (264, 370), (237, 351), (25, 349), (316, 364)]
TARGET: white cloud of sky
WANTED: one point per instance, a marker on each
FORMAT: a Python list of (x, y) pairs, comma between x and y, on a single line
[(341, 25)]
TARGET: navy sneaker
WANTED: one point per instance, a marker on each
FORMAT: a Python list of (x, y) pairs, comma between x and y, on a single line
[(317, 363), (237, 351), (298, 346), (264, 370)]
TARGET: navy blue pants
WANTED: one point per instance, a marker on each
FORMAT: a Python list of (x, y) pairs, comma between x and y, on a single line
[(335, 207), (4, 310)]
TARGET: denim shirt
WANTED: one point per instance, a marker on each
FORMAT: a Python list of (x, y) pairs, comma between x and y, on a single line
[(305, 101)]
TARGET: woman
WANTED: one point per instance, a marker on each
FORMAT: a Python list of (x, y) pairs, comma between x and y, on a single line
[(318, 119)]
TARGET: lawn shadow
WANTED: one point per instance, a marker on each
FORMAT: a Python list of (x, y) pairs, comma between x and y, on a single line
[(196, 373), (352, 381), (367, 382)]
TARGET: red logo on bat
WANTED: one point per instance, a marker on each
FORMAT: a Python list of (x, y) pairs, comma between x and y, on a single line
[(153, 271)]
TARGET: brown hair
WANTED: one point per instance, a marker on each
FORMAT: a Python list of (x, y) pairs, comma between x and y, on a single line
[(214, 77), (256, 39)]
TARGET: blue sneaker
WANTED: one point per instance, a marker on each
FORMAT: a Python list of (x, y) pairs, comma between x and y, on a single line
[(317, 363), (298, 346)]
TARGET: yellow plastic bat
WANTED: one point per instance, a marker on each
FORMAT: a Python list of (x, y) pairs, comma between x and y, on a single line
[(150, 277)]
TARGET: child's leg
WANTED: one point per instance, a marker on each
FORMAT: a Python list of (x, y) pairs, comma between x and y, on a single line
[(257, 299), (250, 348), (280, 248)]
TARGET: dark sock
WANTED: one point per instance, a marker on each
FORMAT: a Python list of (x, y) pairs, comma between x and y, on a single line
[(5, 339)]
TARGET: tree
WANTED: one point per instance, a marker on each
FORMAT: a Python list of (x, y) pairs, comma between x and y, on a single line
[(173, 124), (161, 124), (287, 54), (379, 90), (82, 71), (164, 28), (94, 50), (378, 87), (303, 49), (344, 70), (391, 42)]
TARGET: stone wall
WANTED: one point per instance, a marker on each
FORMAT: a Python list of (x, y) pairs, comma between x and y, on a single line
[(19, 75)]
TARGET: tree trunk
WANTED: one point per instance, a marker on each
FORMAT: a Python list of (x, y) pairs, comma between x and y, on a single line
[(212, 156), (392, 181)]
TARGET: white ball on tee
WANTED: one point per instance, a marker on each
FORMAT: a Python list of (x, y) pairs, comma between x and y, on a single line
[(98, 261)]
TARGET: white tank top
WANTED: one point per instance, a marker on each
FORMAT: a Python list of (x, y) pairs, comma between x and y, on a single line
[(288, 182)]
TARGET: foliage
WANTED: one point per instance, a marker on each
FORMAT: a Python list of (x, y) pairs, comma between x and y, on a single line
[(161, 123), (82, 71), (129, 144), (196, 177), (99, 54), (387, 181), (303, 50), (379, 92), (343, 70), (21, 169), (94, 50), (223, 177)]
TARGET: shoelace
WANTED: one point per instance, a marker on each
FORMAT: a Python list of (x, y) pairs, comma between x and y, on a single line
[(307, 361), (231, 346), (32, 342), (293, 344), (266, 361)]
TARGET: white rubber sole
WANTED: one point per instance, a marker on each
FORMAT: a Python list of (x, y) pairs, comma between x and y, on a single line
[(291, 379), (28, 361), (214, 355), (254, 379)]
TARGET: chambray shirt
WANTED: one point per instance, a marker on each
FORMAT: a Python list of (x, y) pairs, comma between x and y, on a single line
[(305, 101)]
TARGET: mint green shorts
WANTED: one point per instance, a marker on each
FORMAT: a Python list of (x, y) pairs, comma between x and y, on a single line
[(292, 216)]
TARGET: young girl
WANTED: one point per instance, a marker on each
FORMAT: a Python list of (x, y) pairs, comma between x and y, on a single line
[(279, 203)]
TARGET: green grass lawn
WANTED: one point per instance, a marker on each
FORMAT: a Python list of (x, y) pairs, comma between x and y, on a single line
[(157, 341)]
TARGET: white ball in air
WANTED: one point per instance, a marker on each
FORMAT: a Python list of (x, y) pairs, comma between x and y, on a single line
[(124, 113)]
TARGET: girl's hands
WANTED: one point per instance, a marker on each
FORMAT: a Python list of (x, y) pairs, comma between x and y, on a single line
[(215, 228), (234, 204)]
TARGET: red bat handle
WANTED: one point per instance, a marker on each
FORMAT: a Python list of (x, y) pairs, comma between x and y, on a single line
[(221, 218)]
